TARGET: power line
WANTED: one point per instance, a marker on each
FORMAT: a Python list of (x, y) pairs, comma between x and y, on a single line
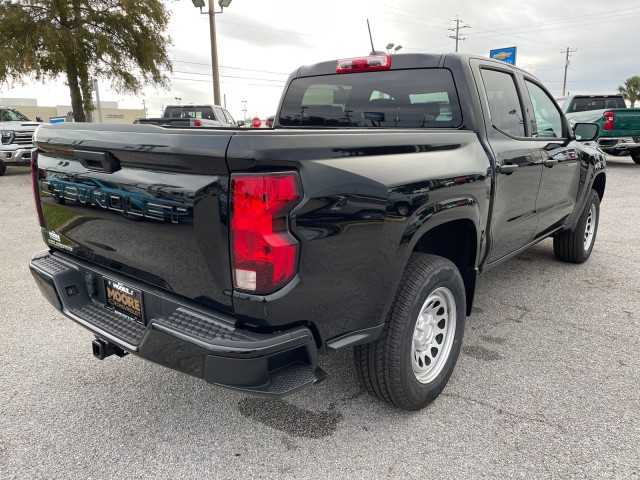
[(414, 12), (269, 29), (587, 17), (236, 83), (231, 76), (233, 68)]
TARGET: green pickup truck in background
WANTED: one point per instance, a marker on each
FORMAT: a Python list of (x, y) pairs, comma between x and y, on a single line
[(619, 125)]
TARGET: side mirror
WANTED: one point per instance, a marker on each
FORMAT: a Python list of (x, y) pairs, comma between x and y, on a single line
[(586, 132), (39, 119)]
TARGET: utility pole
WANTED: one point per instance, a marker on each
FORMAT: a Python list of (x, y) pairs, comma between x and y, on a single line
[(98, 106), (214, 54), (457, 30), (566, 67), (144, 107)]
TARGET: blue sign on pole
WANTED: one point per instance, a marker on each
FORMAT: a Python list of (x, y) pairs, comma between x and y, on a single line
[(506, 55)]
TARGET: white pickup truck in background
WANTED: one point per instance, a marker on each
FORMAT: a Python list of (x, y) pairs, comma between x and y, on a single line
[(16, 138), (192, 116)]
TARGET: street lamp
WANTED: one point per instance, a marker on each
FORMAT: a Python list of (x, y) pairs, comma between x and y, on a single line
[(214, 48), (244, 110)]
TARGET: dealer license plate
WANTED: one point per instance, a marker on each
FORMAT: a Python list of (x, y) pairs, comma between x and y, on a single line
[(124, 299)]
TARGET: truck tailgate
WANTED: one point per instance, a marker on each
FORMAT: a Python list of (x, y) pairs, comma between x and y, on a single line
[(626, 121), (140, 200)]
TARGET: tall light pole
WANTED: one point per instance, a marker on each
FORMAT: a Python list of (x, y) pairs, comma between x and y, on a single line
[(214, 46), (244, 111)]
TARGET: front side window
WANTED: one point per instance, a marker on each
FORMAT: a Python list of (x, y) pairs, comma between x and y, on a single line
[(504, 104), (414, 98), (548, 119)]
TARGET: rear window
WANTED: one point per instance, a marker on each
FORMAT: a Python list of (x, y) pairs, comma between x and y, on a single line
[(190, 112), (424, 98), (585, 104)]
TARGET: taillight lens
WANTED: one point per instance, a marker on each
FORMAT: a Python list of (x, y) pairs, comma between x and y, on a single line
[(197, 123), (363, 64), (263, 251), (608, 122), (35, 184)]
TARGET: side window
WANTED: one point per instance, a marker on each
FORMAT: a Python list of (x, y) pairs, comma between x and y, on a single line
[(504, 103), (548, 119), (220, 115), (229, 118)]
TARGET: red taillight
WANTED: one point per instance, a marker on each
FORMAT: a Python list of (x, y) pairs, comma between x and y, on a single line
[(136, 121), (197, 123), (363, 64), (608, 122), (35, 183), (263, 251)]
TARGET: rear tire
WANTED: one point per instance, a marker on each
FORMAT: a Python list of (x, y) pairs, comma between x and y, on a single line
[(635, 156), (3, 168), (575, 246), (412, 360)]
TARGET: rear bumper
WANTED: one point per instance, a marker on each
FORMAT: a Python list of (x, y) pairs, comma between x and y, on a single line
[(15, 155), (618, 143), (179, 335)]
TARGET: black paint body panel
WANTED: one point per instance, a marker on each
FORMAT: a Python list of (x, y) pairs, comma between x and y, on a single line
[(369, 197)]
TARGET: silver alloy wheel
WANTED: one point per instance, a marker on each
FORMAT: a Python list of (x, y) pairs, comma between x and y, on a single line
[(433, 335), (590, 228)]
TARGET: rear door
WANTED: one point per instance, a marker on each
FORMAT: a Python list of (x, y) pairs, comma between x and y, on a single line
[(519, 164)]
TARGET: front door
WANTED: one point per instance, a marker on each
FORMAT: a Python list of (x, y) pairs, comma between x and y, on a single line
[(518, 162), (561, 169)]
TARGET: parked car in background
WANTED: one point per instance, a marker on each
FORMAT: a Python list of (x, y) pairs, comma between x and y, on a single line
[(619, 125), (192, 116), (16, 138)]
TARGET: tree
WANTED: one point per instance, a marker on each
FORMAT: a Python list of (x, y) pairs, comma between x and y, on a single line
[(630, 89), (122, 41)]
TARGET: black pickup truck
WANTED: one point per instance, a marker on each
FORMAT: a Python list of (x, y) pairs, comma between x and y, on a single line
[(361, 220)]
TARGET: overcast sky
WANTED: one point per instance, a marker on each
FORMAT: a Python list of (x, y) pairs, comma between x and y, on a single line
[(260, 42)]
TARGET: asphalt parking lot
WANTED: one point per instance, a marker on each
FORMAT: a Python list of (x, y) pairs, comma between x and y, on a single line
[(547, 384)]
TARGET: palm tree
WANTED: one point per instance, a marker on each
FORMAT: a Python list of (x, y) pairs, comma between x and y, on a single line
[(630, 89)]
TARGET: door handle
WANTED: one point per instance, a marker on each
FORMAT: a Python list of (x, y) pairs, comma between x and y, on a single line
[(507, 169), (550, 162)]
